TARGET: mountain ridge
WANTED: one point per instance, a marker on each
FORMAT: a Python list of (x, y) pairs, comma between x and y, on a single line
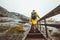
[(5, 13)]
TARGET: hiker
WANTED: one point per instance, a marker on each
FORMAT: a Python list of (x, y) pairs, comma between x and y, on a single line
[(34, 19)]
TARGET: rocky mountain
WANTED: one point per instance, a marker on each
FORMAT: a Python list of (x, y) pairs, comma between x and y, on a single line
[(5, 13)]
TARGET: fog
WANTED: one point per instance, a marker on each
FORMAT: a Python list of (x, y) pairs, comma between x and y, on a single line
[(25, 7)]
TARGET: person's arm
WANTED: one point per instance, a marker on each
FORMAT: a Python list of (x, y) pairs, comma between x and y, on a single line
[(37, 15)]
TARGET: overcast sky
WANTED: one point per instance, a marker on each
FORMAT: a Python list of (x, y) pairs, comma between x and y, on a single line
[(25, 7)]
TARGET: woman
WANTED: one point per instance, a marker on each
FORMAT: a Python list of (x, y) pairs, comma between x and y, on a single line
[(34, 19)]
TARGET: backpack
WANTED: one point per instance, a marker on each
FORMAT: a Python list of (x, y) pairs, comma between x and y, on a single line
[(33, 15)]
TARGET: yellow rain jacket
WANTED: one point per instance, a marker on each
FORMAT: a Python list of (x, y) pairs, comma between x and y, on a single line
[(34, 21)]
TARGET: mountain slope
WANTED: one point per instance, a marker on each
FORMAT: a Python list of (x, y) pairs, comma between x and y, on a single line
[(5, 13)]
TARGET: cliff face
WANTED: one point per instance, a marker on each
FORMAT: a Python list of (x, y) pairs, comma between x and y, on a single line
[(14, 15)]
